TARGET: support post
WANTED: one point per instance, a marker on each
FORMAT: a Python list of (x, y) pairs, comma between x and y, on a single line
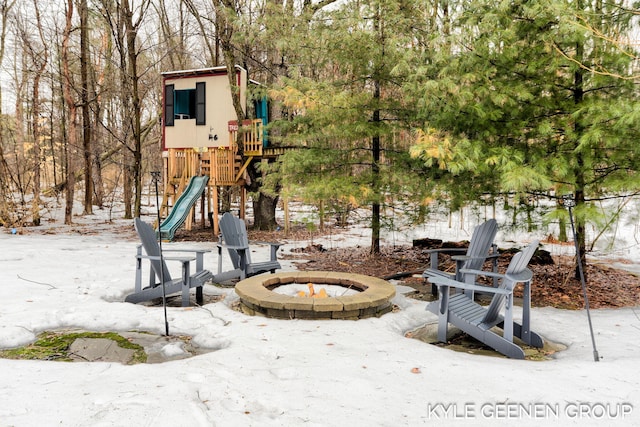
[(570, 202), (243, 202), (216, 227), (156, 177)]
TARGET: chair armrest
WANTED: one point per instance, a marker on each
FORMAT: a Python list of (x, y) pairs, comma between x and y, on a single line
[(524, 276), (204, 251), (492, 257), (436, 252), (167, 258), (429, 251), (443, 281), (466, 257), (199, 256), (274, 248), (272, 244), (178, 258), (235, 248)]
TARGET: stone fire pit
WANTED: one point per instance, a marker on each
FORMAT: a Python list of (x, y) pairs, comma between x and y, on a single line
[(372, 299)]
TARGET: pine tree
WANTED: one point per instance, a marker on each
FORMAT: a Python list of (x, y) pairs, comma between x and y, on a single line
[(346, 111), (536, 96)]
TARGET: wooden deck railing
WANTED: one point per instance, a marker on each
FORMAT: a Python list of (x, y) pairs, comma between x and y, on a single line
[(222, 164), (252, 136)]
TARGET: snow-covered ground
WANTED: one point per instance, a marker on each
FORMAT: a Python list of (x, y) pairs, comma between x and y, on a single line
[(270, 372)]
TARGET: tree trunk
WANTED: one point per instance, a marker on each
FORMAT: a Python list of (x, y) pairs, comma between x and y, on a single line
[(562, 224), (84, 95), (264, 208), (375, 150), (581, 262), (55, 149), (127, 184), (40, 60), (375, 170), (98, 187), (264, 205), (132, 32), (37, 150), (5, 7), (19, 139), (579, 171), (71, 105), (96, 147)]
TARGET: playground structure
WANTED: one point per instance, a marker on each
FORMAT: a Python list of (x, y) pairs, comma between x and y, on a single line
[(182, 207), (200, 139)]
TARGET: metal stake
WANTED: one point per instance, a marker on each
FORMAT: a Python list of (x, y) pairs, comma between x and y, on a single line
[(156, 177), (569, 202)]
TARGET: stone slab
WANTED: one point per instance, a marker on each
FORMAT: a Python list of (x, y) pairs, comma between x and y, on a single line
[(99, 350)]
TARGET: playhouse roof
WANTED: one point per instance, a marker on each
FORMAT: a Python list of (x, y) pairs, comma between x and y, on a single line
[(198, 71)]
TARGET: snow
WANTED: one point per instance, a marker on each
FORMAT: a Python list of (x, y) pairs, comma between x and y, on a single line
[(270, 372), (172, 350), (331, 290)]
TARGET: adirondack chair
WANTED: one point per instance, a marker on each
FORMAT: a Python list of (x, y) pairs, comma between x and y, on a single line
[(233, 237), (159, 269), (460, 310), (480, 248)]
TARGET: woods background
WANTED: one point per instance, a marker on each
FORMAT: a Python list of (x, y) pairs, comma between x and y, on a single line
[(394, 103)]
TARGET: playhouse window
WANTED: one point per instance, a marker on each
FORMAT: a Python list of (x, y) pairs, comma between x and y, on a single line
[(185, 104)]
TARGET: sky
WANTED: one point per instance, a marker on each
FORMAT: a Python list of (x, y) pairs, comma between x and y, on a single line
[(272, 372)]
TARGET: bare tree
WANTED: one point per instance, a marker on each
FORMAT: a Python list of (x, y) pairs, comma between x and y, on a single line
[(86, 116), (174, 32), (72, 128), (125, 29), (5, 8), (39, 56), (207, 20), (100, 139)]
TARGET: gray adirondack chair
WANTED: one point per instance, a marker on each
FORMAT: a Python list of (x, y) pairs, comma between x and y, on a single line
[(460, 310), (481, 248), (159, 269), (233, 237)]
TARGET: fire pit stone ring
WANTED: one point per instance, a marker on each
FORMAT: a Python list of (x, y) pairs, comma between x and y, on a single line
[(372, 299)]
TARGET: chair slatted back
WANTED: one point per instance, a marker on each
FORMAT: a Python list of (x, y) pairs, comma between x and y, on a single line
[(234, 233), (480, 244), (517, 266), (150, 244)]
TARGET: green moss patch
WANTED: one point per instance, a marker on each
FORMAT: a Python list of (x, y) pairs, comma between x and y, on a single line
[(55, 346)]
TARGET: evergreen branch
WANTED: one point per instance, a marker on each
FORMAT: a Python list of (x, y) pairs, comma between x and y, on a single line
[(599, 34), (596, 199), (590, 69), (612, 218)]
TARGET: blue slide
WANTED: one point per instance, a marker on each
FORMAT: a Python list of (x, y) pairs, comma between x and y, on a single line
[(183, 206)]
